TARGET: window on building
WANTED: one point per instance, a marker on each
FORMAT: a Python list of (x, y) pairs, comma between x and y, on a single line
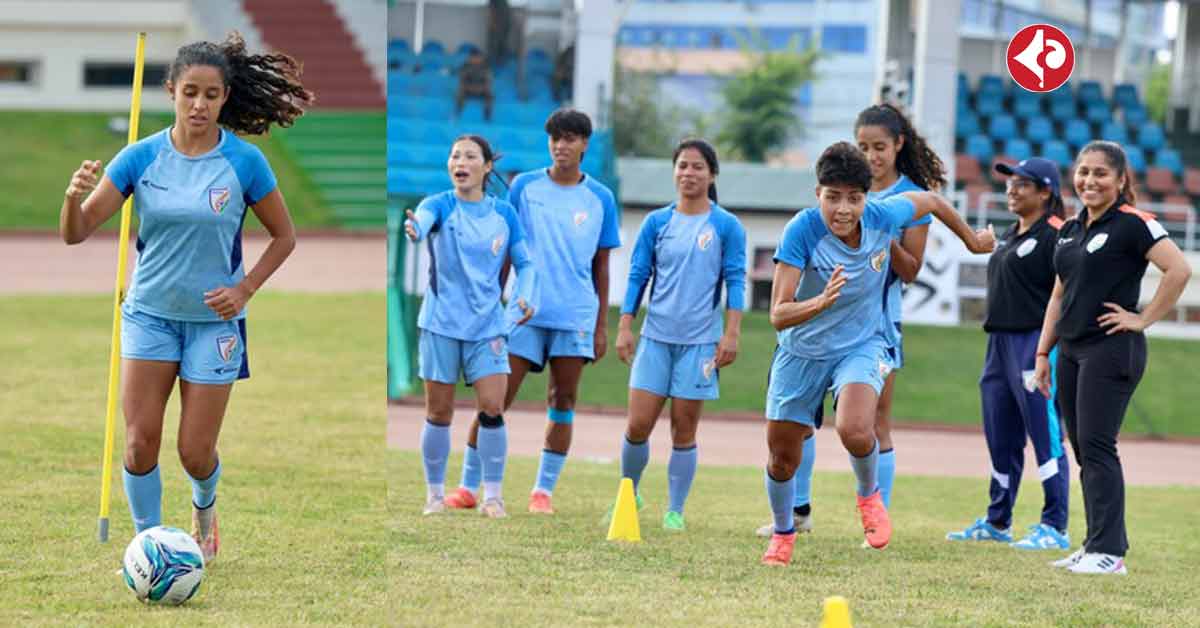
[(102, 74), (844, 38), (16, 72)]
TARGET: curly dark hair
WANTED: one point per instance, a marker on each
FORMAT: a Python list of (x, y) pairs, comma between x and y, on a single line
[(843, 164), (916, 160), (263, 89), (565, 120)]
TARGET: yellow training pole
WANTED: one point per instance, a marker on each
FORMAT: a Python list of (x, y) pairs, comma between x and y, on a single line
[(114, 356)]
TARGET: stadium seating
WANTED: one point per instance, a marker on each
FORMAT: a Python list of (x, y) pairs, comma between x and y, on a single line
[(1169, 158)]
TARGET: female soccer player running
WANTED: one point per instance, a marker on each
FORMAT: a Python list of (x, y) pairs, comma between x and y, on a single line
[(1020, 277), (1100, 260), (827, 304), (462, 321), (184, 315), (687, 249), (901, 161)]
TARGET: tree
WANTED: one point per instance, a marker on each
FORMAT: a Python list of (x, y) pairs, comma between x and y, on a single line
[(1158, 89), (645, 123), (759, 101)]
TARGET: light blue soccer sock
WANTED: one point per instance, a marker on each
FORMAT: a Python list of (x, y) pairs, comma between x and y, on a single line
[(866, 471), (493, 451), (887, 474), (144, 493), (781, 496), (804, 472), (471, 470), (681, 470), (634, 457), (548, 470), (204, 492), (435, 450)]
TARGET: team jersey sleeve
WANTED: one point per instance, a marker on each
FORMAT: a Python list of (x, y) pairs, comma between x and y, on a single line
[(429, 215), (641, 264), (522, 263), (896, 212), (516, 233), (260, 179), (515, 192), (797, 243), (610, 231), (129, 164), (1147, 234), (733, 262)]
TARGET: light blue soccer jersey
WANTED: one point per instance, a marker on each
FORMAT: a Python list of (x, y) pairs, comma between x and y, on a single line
[(190, 212), (857, 315), (685, 259), (468, 243), (893, 296), (565, 226)]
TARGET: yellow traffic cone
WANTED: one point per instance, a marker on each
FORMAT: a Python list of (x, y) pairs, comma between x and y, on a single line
[(837, 613), (624, 526)]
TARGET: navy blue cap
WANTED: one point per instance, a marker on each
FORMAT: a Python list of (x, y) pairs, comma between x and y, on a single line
[(1041, 171)]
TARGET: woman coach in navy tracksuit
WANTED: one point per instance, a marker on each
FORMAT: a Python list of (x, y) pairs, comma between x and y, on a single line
[(1020, 277)]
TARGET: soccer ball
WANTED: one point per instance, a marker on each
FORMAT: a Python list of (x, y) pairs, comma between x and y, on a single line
[(163, 566)]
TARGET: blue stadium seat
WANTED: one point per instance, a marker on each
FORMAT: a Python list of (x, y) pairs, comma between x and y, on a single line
[(436, 109), (1002, 127), (1018, 149), (1058, 152), (467, 48), (1151, 137), (964, 84), (1039, 130), (1114, 131), (1077, 133), (1097, 111), (1125, 96), (433, 60), (1137, 159), (1169, 158), (436, 134), (1136, 116), (1062, 94), (990, 84), (966, 124), (989, 104), (1090, 91), (398, 44), (433, 46), (402, 129), (1062, 110), (980, 147), (1027, 108)]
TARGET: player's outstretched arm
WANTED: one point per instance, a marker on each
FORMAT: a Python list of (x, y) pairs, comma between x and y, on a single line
[(79, 218), (786, 311), (977, 241)]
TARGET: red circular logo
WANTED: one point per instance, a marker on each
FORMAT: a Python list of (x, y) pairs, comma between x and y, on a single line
[(1040, 58)]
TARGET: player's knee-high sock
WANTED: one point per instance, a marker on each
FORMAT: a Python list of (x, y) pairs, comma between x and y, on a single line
[(634, 457), (804, 472), (866, 471), (435, 449), (471, 470), (493, 451), (887, 474), (204, 495), (144, 493), (681, 470), (548, 471), (781, 495)]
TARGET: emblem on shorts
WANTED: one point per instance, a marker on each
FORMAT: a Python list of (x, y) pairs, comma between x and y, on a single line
[(884, 369), (226, 345), (1095, 243), (877, 260), (218, 198), (497, 345), (705, 239), (497, 243), (707, 368), (1026, 248), (580, 218)]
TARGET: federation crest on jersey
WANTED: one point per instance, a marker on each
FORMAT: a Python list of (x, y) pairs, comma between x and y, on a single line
[(878, 259), (580, 218), (707, 368), (1026, 247), (497, 243), (497, 345), (1095, 243), (218, 198), (705, 239), (226, 345)]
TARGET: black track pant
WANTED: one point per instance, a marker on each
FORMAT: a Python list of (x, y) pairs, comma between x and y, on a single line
[(1096, 380)]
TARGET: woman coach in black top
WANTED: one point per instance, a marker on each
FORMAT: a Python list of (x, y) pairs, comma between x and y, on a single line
[(1100, 261)]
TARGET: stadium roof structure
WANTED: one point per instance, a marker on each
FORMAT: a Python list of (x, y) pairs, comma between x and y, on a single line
[(742, 186)]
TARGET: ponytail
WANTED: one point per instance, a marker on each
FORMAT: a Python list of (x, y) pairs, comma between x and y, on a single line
[(916, 160)]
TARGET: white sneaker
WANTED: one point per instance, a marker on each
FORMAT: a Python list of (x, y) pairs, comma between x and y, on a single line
[(434, 506), (1096, 563), (1070, 560), (493, 507), (803, 525)]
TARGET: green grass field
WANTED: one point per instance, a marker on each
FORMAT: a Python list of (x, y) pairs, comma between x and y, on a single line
[(939, 382), (302, 494), (463, 569), (45, 148)]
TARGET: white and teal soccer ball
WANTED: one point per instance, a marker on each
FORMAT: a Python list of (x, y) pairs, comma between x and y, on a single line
[(163, 566)]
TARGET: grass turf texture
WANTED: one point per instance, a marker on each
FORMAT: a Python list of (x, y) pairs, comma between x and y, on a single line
[(301, 499), (43, 149), (939, 382), (551, 571)]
